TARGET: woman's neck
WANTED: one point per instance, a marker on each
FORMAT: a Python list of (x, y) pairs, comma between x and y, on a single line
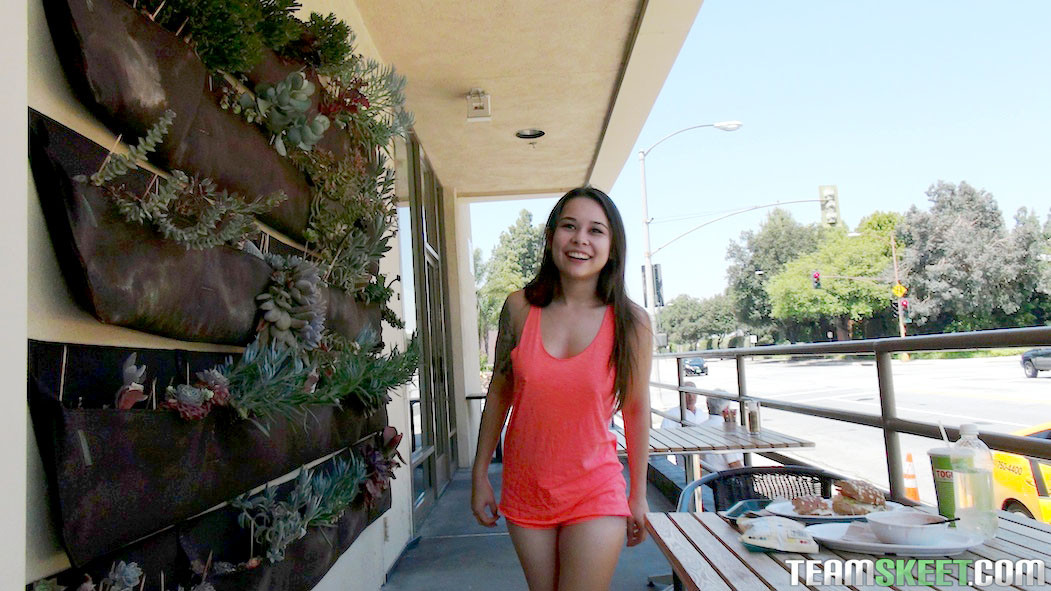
[(577, 293)]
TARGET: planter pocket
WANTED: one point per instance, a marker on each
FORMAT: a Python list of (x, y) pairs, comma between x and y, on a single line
[(118, 475), (129, 275)]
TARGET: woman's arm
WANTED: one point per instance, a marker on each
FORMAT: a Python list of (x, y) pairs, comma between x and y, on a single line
[(497, 404), (636, 412)]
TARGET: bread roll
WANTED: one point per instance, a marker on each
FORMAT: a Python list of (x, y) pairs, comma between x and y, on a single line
[(809, 505), (861, 491)]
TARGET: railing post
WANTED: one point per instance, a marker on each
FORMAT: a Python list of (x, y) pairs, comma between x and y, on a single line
[(692, 473), (742, 391), (889, 410)]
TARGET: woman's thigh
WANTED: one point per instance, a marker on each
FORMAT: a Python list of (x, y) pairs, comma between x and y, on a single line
[(537, 550), (588, 553)]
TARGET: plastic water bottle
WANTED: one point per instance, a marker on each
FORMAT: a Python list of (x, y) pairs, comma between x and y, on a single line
[(972, 467)]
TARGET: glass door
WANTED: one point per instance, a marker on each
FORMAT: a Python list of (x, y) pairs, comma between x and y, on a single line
[(432, 420)]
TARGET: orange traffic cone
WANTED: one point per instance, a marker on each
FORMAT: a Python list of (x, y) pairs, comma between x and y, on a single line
[(912, 492)]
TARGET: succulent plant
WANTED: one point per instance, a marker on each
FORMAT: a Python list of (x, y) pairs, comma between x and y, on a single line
[(46, 585), (116, 165), (131, 391), (293, 310), (380, 464), (123, 577), (283, 107), (214, 381), (191, 402)]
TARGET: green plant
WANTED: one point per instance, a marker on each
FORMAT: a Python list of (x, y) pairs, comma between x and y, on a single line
[(279, 27), (353, 369), (276, 524), (350, 214), (283, 107), (224, 33), (268, 382), (378, 291), (317, 499), (193, 211), (337, 488), (379, 115), (116, 165), (293, 311), (326, 41)]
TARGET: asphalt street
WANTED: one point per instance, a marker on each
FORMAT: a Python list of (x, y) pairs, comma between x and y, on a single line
[(991, 392)]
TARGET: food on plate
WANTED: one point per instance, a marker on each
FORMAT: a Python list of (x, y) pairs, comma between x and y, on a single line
[(857, 497), (811, 505), (766, 534)]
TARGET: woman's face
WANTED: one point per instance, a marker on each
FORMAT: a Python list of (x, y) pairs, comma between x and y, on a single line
[(581, 242)]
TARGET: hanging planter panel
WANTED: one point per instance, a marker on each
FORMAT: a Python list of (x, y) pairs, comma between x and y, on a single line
[(128, 70), (118, 475), (127, 274)]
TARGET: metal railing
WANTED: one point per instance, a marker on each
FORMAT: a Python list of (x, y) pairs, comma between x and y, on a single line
[(888, 419)]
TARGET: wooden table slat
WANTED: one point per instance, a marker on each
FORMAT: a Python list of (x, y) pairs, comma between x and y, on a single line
[(717, 439), (730, 565), (763, 564), (667, 443), (694, 571), (684, 440)]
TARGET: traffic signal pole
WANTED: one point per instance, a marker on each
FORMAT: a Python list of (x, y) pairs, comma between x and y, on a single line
[(897, 281)]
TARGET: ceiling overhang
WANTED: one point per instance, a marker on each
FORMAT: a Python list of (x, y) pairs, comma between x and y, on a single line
[(586, 72)]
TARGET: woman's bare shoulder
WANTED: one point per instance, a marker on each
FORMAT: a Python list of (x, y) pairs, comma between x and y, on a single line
[(517, 307)]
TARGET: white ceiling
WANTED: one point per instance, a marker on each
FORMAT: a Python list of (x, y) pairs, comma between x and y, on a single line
[(553, 65)]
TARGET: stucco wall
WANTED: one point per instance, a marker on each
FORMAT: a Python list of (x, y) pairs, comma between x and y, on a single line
[(52, 315)]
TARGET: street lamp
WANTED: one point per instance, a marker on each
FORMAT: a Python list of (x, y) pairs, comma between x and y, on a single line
[(651, 301)]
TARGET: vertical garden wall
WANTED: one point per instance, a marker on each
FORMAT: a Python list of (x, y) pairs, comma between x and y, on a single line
[(248, 204)]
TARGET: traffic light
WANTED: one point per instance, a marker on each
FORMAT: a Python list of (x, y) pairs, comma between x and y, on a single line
[(903, 309), (829, 204), (658, 286), (816, 277)]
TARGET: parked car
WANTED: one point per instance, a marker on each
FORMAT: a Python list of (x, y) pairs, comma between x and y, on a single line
[(1036, 360), (695, 366), (1021, 483)]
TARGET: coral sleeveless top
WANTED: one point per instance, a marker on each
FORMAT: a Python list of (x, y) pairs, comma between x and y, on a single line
[(560, 458)]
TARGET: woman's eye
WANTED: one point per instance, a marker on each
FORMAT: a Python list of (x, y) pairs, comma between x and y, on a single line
[(596, 230), (568, 226)]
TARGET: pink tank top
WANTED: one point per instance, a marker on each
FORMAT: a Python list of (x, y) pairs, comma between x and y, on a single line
[(560, 458)]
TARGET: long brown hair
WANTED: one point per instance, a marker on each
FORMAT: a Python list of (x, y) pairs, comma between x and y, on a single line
[(610, 289)]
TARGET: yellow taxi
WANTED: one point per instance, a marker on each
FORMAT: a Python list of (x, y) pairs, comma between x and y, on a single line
[(1021, 483)]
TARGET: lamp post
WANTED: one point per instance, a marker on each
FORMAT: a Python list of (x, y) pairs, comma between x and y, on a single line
[(651, 301)]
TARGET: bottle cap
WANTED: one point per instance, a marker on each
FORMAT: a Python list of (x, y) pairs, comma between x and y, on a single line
[(969, 430)]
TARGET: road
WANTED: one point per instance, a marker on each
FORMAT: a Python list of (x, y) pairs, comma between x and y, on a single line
[(991, 392)]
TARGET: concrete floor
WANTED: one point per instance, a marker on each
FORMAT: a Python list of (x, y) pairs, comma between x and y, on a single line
[(455, 553)]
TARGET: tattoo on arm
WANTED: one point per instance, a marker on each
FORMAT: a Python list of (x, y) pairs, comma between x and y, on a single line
[(505, 341)]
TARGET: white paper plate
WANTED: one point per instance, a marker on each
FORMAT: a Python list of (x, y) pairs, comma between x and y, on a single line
[(785, 509), (831, 535)]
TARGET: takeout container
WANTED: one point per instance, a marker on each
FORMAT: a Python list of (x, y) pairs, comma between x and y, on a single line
[(907, 527)]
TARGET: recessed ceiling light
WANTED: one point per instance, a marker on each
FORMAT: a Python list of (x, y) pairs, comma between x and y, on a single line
[(529, 134)]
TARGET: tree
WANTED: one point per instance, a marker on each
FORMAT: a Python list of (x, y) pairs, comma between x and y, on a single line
[(687, 319), (855, 279), (965, 270), (757, 258), (514, 261)]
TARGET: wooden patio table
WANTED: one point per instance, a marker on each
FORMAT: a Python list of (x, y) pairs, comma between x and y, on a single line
[(706, 553), (717, 439)]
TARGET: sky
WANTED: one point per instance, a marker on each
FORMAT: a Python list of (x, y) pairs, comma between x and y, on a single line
[(881, 99)]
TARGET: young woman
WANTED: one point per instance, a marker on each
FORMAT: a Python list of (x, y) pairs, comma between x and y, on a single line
[(571, 349)]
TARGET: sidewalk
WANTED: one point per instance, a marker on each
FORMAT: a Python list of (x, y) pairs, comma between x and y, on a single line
[(457, 554)]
